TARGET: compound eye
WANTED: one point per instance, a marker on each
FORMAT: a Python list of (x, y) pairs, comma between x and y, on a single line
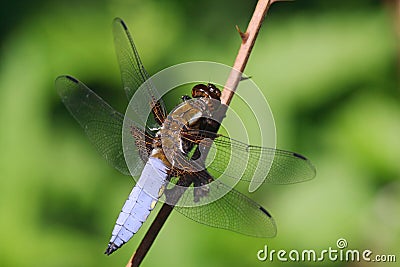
[(214, 91), (199, 90)]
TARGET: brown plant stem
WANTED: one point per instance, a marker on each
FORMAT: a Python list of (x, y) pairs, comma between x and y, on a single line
[(248, 40), (150, 236)]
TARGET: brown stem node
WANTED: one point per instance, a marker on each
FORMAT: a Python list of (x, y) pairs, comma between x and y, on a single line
[(243, 35)]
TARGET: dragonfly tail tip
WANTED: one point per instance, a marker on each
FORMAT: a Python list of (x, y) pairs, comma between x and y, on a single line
[(110, 249)]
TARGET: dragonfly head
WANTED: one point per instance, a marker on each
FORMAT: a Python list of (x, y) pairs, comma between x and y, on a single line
[(209, 91)]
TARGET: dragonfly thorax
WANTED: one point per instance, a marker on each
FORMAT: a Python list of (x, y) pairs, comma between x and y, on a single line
[(180, 131)]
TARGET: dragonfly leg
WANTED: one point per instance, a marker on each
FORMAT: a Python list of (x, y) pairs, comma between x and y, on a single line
[(173, 194), (158, 112), (200, 180)]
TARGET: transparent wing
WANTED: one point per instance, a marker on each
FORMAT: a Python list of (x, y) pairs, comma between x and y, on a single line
[(102, 124), (233, 159), (234, 211), (134, 75)]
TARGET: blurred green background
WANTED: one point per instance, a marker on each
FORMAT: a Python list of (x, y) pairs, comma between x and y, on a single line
[(329, 70)]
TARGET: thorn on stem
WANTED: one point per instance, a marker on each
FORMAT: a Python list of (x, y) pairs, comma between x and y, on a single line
[(243, 35), (243, 78)]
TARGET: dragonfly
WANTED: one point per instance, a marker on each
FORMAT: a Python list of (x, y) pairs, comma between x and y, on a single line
[(172, 152)]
